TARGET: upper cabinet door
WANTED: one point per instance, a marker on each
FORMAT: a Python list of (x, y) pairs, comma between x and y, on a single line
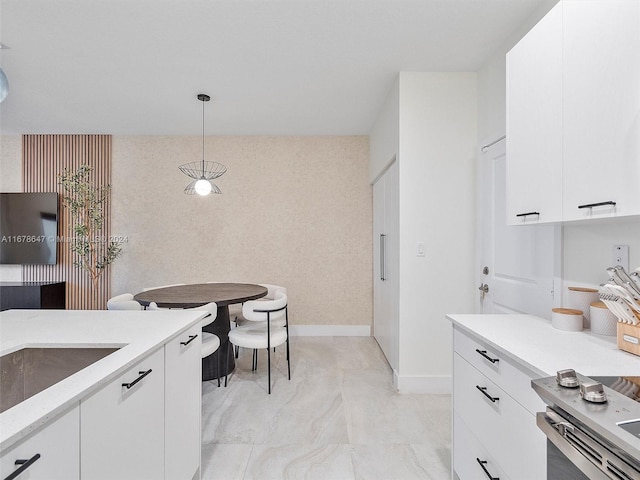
[(534, 124), (601, 108)]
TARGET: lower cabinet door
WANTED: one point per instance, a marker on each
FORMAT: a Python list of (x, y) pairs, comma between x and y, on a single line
[(471, 461), (51, 453), (122, 425), (183, 392)]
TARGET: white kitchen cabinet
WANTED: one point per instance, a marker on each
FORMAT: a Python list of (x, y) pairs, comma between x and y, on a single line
[(534, 124), (601, 108), (494, 409), (573, 131), (122, 426), (183, 374), (386, 328), (58, 447)]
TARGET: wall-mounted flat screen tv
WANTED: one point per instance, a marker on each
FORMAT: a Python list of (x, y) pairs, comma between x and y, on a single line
[(28, 228)]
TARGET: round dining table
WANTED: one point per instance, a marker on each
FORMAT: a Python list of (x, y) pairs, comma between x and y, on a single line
[(221, 362)]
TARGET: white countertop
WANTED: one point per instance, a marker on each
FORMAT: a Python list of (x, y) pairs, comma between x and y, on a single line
[(533, 343), (137, 332)]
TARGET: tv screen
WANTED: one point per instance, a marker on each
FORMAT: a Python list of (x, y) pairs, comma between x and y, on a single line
[(28, 228)]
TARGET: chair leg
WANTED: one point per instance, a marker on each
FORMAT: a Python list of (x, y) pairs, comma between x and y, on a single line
[(237, 349), (286, 313), (269, 368)]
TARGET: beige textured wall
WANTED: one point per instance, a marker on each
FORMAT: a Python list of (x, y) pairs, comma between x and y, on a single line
[(295, 211), (10, 181)]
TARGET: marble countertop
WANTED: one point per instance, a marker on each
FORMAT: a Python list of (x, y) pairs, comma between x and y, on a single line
[(136, 333), (533, 343)]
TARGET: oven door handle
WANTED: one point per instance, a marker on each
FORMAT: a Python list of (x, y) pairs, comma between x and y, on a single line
[(546, 422)]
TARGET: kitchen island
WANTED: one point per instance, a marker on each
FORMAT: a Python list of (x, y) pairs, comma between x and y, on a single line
[(494, 407), (151, 351)]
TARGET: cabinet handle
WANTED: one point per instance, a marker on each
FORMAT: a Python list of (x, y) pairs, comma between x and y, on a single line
[(191, 339), (527, 214), (142, 375), (483, 390), (24, 464), (599, 204), (484, 354), (482, 464)]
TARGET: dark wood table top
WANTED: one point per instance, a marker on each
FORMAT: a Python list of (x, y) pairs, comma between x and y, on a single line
[(195, 295)]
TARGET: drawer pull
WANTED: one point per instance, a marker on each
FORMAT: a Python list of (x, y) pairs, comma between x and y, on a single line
[(484, 392), (191, 339), (484, 354), (24, 464), (142, 375), (599, 204), (482, 464), (527, 214)]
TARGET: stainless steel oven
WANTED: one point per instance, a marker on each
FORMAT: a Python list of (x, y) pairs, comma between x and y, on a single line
[(592, 426)]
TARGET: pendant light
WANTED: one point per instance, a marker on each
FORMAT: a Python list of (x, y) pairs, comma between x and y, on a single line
[(4, 83), (202, 172)]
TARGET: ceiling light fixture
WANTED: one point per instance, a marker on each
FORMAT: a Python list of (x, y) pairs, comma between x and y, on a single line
[(202, 172)]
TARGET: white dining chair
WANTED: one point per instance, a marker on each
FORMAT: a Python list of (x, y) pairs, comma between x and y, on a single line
[(264, 329), (271, 295), (123, 302), (210, 341)]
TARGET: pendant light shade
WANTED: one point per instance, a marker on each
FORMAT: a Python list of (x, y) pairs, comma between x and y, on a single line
[(202, 172), (4, 86)]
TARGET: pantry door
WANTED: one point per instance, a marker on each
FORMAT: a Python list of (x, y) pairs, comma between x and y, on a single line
[(523, 263)]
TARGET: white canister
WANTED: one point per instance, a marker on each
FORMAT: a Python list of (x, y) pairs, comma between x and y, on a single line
[(568, 319), (603, 321), (581, 298)]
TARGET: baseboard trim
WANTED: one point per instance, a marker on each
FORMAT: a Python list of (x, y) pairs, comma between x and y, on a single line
[(330, 330), (440, 385)]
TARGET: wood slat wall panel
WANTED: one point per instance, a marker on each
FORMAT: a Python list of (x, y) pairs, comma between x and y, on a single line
[(44, 157)]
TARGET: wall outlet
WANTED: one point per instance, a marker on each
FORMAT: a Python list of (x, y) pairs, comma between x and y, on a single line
[(621, 256)]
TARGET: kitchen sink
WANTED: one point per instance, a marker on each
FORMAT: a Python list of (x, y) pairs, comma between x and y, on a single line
[(29, 371)]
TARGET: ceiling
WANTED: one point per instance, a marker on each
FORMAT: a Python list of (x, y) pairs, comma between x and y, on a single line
[(272, 67)]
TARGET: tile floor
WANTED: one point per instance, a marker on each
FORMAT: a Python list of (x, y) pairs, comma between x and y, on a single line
[(338, 418)]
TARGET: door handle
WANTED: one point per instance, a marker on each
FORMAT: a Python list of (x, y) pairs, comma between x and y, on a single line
[(382, 255), (484, 289)]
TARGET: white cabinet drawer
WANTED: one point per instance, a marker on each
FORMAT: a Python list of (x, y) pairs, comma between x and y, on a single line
[(122, 429), (58, 447), (499, 370), (505, 428), (470, 456)]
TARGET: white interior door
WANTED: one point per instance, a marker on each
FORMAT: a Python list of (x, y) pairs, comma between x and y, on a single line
[(522, 262), (385, 264)]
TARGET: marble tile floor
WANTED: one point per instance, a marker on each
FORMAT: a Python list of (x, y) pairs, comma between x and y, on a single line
[(338, 418)]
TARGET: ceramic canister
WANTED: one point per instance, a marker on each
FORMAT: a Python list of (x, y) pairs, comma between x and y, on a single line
[(580, 298), (567, 319), (603, 321)]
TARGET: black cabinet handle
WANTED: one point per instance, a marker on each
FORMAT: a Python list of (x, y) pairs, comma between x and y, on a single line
[(24, 464), (484, 392), (191, 339), (484, 354), (482, 464), (527, 214), (142, 375), (599, 204)]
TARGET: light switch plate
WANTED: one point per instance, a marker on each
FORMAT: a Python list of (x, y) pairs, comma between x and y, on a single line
[(621, 256), (420, 250)]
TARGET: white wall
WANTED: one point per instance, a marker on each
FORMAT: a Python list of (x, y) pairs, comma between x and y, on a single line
[(384, 137), (430, 121), (587, 249), (10, 181), (438, 138)]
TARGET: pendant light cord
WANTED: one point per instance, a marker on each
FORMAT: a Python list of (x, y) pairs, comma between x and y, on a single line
[(203, 138)]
